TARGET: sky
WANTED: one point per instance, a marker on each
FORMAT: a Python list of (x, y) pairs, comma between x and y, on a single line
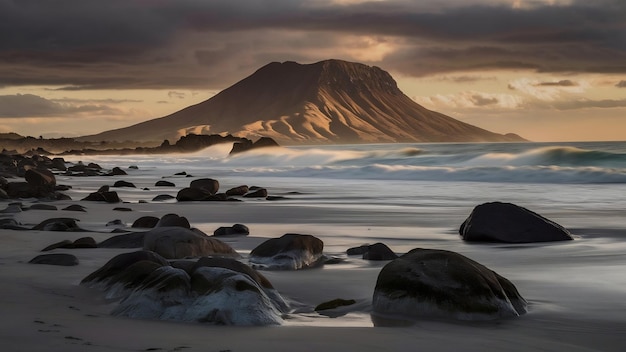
[(548, 70)]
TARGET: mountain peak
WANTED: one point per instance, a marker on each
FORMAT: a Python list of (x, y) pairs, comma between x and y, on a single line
[(330, 101)]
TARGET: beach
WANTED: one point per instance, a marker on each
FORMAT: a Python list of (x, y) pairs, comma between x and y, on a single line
[(407, 197)]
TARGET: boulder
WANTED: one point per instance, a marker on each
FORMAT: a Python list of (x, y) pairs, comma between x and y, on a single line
[(238, 191), (162, 198), (127, 240), (58, 164), (61, 259), (85, 242), (429, 283), (179, 242), (21, 190), (116, 171), (40, 206), (335, 303), (192, 194), (235, 230), (173, 220), (75, 207), (258, 193), (208, 184), (509, 223), (146, 222), (42, 180), (119, 265), (289, 252), (379, 251), (109, 197), (162, 183), (58, 224), (121, 184), (62, 244)]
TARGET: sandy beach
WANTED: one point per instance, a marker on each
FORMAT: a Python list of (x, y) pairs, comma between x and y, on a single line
[(575, 290)]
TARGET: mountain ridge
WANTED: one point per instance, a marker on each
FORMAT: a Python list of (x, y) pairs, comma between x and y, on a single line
[(330, 101)]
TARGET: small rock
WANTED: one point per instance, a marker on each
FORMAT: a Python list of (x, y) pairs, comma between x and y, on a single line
[(61, 259)]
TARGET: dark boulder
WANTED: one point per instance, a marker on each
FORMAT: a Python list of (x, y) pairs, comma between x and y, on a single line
[(192, 194), (235, 230), (360, 250), (509, 223), (58, 164), (85, 242), (168, 220), (42, 180), (75, 207), (116, 171), (21, 190), (40, 206), (379, 251), (109, 197), (208, 184), (61, 259), (238, 191), (246, 145), (162, 198), (335, 303), (258, 193), (58, 224), (180, 242), (146, 222), (289, 252), (126, 240), (164, 184), (429, 283), (62, 244), (121, 184), (118, 264)]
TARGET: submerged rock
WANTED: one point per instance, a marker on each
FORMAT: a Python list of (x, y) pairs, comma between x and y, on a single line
[(289, 252), (429, 283), (506, 222)]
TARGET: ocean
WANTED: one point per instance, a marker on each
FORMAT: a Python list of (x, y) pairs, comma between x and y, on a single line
[(417, 195)]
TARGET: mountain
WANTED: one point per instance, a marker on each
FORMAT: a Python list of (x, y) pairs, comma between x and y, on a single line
[(330, 101)]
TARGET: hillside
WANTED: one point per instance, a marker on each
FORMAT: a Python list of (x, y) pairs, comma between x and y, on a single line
[(330, 101)]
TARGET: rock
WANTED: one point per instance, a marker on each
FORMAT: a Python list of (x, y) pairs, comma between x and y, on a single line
[(109, 197), (121, 184), (116, 222), (335, 303), (12, 208), (146, 222), (85, 242), (232, 264), (11, 224), (192, 194), (111, 272), (258, 193), (379, 251), (164, 184), (180, 242), (246, 145), (235, 230), (40, 206), (358, 250), (133, 167), (429, 283), (173, 220), (162, 198), (61, 259), (127, 240), (21, 190), (289, 252), (104, 188), (3, 194), (116, 171), (58, 164), (509, 223), (75, 207), (275, 198), (208, 184), (58, 224), (218, 197), (62, 244), (42, 180), (182, 173), (122, 209), (238, 191)]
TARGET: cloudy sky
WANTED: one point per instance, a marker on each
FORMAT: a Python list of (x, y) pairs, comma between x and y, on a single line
[(545, 69)]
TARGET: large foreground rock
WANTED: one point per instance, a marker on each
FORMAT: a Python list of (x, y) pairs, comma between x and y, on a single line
[(506, 222), (289, 252), (212, 290), (173, 242), (429, 283)]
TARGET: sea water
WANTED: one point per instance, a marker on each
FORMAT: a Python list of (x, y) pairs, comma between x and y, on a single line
[(417, 195)]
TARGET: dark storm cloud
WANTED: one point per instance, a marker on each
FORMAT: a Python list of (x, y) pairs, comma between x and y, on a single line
[(29, 105), (79, 44)]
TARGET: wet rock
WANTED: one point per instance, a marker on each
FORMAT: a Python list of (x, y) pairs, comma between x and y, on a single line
[(120, 184), (146, 222), (235, 230), (116, 171), (40, 206), (192, 194), (58, 224), (109, 197), (116, 222), (162, 183), (335, 303), (85, 242), (61, 244), (122, 209), (75, 207), (429, 283), (180, 242), (289, 252), (162, 198), (60, 259), (379, 251), (509, 223), (238, 191), (208, 184), (168, 220), (258, 193), (126, 240)]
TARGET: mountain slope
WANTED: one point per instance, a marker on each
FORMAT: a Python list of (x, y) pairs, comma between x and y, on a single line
[(330, 101)]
